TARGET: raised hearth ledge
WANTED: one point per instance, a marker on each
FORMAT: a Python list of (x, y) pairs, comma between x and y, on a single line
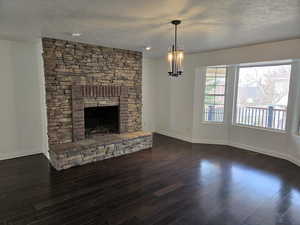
[(98, 147)]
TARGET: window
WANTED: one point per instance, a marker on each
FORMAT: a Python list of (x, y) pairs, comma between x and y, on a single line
[(214, 97), (262, 96)]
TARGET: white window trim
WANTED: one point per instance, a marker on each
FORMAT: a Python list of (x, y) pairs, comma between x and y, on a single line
[(293, 105), (236, 82), (260, 128), (206, 122)]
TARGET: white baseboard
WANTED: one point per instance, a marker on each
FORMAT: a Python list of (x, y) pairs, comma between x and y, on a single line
[(175, 135), (190, 139), (266, 152), (237, 145), (17, 154), (294, 161), (211, 142)]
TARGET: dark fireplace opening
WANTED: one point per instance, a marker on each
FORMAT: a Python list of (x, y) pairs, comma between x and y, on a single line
[(101, 120)]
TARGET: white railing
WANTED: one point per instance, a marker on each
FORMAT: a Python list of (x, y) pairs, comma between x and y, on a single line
[(214, 113), (266, 117), (262, 117)]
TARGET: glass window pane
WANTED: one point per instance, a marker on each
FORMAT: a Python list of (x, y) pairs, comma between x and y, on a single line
[(219, 100), (263, 95), (210, 100), (214, 113), (211, 81), (220, 80), (220, 90), (210, 90), (214, 90), (214, 94)]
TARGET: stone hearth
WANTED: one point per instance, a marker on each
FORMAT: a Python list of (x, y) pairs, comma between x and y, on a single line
[(98, 147)]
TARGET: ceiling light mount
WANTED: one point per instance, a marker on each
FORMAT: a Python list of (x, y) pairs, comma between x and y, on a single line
[(176, 22)]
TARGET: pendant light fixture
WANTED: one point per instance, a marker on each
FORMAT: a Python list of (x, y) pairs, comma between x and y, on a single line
[(175, 55)]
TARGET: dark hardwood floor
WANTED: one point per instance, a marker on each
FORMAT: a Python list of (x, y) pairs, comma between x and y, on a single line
[(175, 183)]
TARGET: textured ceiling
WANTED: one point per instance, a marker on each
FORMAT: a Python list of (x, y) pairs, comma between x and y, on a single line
[(133, 24)]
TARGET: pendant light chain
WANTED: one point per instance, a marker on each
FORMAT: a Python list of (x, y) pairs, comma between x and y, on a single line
[(175, 56)]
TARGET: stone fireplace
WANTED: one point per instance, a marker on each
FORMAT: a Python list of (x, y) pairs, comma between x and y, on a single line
[(94, 101)]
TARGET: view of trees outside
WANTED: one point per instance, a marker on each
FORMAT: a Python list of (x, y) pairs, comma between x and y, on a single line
[(263, 96), (264, 86)]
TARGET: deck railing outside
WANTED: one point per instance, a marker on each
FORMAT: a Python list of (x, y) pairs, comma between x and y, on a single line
[(214, 113), (265, 117), (262, 117)]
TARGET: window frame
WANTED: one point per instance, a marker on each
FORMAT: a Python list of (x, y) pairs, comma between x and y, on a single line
[(236, 86), (203, 121)]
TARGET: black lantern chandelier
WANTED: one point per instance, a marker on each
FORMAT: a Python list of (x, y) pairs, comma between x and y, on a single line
[(175, 55)]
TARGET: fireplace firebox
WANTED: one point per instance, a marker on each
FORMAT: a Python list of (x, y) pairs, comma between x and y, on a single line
[(101, 120)]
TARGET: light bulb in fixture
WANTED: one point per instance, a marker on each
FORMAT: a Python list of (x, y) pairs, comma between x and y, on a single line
[(148, 48), (76, 34)]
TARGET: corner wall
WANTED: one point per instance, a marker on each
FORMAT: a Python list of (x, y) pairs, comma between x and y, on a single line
[(22, 129), (179, 101), (149, 94)]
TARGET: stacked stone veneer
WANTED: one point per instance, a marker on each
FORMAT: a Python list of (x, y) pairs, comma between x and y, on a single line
[(65, 156), (113, 75)]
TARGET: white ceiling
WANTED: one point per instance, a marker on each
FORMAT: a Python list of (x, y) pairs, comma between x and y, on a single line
[(134, 24)]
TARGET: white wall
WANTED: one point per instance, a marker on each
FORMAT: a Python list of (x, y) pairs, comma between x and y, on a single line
[(179, 101), (148, 94), (22, 112)]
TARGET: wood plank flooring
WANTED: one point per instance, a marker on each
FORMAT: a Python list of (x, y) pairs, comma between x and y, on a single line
[(175, 183)]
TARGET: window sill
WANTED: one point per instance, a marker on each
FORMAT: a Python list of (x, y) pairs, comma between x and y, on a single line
[(212, 123), (260, 128)]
